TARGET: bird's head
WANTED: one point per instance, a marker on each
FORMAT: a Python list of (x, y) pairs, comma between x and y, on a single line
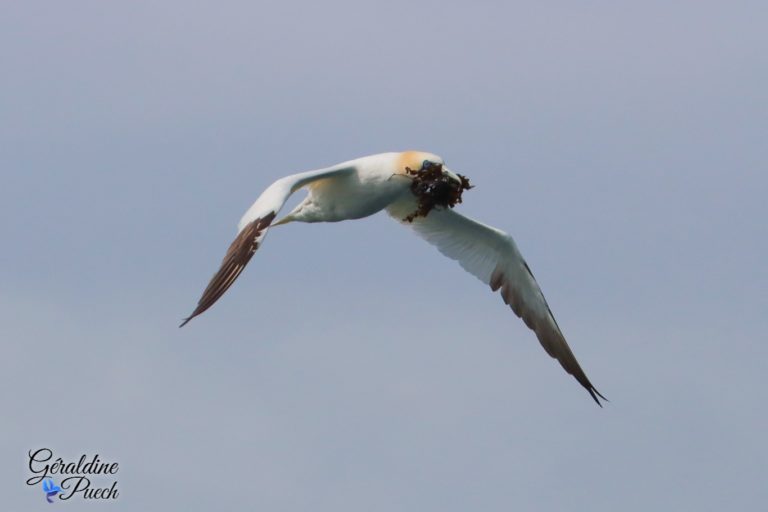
[(433, 184)]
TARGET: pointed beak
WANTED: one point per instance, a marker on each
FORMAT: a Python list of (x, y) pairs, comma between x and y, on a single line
[(451, 174)]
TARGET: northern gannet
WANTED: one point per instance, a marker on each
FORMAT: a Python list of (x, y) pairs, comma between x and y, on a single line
[(418, 190)]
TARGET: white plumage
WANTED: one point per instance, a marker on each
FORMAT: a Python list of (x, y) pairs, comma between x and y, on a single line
[(359, 188)]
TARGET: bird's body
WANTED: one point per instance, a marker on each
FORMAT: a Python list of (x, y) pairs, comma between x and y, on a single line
[(362, 187), (367, 189)]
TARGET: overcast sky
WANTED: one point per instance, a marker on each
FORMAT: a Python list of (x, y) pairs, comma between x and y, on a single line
[(352, 367)]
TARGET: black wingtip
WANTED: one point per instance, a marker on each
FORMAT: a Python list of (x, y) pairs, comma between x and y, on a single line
[(594, 394), (186, 321)]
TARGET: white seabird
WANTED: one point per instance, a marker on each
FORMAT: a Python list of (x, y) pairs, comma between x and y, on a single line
[(359, 188)]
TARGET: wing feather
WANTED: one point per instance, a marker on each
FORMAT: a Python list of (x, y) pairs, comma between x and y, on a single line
[(253, 229), (493, 257)]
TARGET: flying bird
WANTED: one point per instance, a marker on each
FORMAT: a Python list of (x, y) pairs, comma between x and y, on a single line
[(419, 191)]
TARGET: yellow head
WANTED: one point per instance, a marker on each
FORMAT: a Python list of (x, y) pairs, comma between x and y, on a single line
[(414, 160), (432, 183)]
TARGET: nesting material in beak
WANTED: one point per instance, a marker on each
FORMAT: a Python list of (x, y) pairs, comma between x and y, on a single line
[(434, 188)]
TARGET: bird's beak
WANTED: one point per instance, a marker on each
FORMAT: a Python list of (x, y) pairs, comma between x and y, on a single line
[(451, 174)]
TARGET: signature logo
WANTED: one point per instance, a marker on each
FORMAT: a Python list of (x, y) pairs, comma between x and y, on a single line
[(50, 489), (84, 479)]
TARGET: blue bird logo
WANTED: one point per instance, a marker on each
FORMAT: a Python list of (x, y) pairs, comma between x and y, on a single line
[(50, 489)]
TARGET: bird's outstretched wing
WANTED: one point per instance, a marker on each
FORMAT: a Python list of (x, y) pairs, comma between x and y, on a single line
[(493, 257), (253, 228)]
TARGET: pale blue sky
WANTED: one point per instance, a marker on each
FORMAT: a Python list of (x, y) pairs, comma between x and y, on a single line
[(352, 367)]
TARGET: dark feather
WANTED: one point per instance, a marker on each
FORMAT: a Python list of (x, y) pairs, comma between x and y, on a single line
[(238, 255)]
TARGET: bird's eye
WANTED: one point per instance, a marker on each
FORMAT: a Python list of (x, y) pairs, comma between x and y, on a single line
[(427, 164)]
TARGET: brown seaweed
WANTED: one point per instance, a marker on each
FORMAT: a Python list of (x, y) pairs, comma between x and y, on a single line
[(433, 188)]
